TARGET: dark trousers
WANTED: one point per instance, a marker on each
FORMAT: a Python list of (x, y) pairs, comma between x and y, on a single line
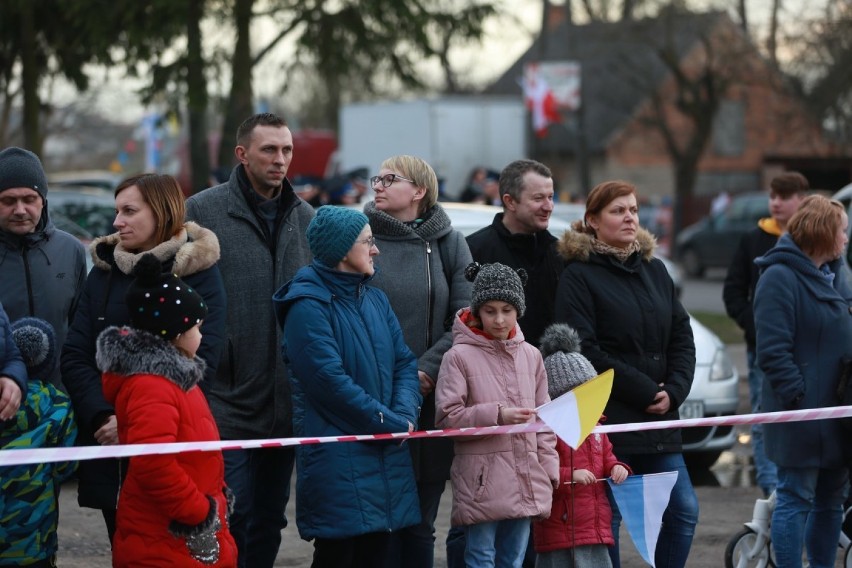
[(109, 520), (260, 480), (362, 551), (414, 546)]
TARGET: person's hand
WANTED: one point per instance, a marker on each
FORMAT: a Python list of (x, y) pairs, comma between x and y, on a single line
[(427, 385), (583, 477), (410, 427), (618, 473), (10, 398), (107, 434), (662, 403), (515, 415)]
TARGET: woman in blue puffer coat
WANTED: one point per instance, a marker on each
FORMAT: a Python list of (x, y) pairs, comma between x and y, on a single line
[(351, 373), (803, 318)]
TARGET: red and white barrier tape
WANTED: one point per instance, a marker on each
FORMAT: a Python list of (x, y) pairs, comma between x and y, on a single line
[(45, 455)]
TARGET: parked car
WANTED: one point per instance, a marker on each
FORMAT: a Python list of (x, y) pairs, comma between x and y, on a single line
[(103, 179), (844, 196), (91, 208), (714, 386), (711, 242)]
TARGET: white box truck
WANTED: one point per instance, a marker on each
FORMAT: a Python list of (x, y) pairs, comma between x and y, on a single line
[(453, 134)]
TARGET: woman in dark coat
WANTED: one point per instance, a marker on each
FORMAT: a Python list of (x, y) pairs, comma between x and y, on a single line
[(421, 269), (803, 318), (622, 302), (149, 219), (351, 373)]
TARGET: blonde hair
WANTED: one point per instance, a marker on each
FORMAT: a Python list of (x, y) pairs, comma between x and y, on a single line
[(420, 173), (814, 225)]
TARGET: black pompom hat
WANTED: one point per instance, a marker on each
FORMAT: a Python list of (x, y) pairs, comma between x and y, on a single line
[(161, 303)]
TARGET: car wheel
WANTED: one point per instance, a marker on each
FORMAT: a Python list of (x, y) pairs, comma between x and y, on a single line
[(700, 460), (740, 554), (692, 264)]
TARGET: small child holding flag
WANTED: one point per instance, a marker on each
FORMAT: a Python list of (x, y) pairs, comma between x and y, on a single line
[(579, 529)]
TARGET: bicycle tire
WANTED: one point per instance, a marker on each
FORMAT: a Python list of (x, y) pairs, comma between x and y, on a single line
[(847, 557), (736, 549)]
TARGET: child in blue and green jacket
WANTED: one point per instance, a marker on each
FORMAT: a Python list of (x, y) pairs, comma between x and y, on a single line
[(29, 509)]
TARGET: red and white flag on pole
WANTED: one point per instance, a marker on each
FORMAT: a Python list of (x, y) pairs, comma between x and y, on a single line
[(548, 88)]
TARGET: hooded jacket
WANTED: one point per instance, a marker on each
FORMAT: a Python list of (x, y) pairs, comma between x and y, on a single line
[(741, 279), (581, 514), (351, 373), (502, 476), (535, 253), (630, 320), (192, 256), (43, 275), (154, 389), (422, 272), (803, 318), (250, 395)]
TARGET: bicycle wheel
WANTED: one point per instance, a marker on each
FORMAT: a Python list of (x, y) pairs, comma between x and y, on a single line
[(740, 551), (847, 557)]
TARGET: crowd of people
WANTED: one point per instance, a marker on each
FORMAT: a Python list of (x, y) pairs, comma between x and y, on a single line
[(244, 312)]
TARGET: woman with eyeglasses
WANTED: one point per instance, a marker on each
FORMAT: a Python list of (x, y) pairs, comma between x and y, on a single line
[(422, 272), (350, 373)]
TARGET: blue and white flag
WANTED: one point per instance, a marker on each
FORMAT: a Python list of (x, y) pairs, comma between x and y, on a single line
[(642, 499)]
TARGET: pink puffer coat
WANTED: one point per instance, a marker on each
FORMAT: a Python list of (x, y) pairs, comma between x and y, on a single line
[(502, 476)]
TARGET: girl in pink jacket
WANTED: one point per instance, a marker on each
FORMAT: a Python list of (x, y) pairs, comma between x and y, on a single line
[(491, 376), (578, 532)]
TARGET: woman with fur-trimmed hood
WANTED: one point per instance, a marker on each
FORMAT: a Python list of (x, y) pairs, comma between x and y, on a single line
[(149, 219), (173, 508), (622, 302)]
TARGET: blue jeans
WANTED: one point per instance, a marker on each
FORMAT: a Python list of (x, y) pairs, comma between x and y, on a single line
[(766, 474), (414, 546), (809, 510), (679, 518), (260, 480), (496, 544)]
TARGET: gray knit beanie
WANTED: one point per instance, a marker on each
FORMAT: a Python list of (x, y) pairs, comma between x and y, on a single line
[(333, 232), (566, 367), (22, 168), (36, 341), (496, 282)]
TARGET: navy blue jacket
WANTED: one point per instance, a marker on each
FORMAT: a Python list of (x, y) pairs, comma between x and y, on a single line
[(804, 332), (11, 362), (351, 373)]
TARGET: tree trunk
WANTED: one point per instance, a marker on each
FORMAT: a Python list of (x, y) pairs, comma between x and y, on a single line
[(29, 79), (772, 40), (741, 10), (240, 103), (197, 99)]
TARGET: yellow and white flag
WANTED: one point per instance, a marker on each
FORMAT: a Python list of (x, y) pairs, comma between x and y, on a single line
[(574, 415)]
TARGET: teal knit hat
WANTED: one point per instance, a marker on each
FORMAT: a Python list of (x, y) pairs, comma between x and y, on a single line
[(333, 232)]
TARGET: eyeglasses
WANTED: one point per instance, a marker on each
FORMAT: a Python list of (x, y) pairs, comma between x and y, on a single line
[(388, 179), (369, 241)]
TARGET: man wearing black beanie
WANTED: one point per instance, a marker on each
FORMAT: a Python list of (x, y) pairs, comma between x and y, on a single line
[(42, 268)]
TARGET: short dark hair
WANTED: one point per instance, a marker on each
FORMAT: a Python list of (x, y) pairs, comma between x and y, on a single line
[(512, 177), (789, 183), (252, 122)]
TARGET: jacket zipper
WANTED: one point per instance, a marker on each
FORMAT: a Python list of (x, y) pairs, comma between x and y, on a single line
[(429, 294), (29, 281)]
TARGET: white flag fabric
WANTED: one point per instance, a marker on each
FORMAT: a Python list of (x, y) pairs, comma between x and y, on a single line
[(642, 499)]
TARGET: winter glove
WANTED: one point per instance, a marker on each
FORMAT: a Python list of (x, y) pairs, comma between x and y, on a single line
[(201, 540)]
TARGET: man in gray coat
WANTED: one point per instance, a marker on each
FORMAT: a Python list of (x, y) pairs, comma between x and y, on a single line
[(261, 226), (42, 269)]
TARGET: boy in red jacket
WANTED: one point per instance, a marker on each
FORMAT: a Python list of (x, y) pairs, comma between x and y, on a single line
[(579, 530)]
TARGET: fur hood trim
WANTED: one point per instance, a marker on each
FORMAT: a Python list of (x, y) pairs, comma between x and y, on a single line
[(193, 249), (125, 351), (575, 245)]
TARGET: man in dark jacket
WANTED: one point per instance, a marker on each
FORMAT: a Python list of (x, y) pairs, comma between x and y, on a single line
[(518, 237), (261, 226), (786, 193), (43, 269)]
